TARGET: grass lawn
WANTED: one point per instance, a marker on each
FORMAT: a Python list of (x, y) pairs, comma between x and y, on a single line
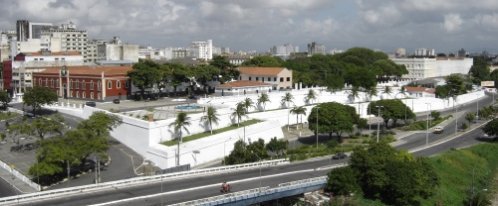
[(421, 125), (208, 133), (8, 115)]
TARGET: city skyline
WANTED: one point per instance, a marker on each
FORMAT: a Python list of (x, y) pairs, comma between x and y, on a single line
[(257, 25)]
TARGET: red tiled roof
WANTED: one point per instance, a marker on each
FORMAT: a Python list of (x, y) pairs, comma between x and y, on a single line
[(420, 89), (243, 83), (88, 70), (63, 53), (267, 71)]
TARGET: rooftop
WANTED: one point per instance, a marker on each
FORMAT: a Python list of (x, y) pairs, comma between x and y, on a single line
[(88, 70), (420, 89), (268, 71), (243, 83), (48, 53)]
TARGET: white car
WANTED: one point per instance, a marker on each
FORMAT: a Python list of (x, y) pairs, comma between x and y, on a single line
[(438, 130)]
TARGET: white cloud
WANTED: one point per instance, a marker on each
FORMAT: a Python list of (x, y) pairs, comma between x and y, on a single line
[(487, 20), (452, 22)]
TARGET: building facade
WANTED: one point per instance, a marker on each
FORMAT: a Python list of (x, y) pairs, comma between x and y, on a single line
[(315, 48), (242, 87), (202, 50), (279, 77), (116, 50), (421, 68), (95, 83)]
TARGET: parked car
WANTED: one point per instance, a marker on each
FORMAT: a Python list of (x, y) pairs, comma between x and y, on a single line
[(438, 130), (116, 101), (91, 104), (339, 155)]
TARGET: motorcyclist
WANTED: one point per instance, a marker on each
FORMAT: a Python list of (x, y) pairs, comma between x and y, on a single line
[(225, 187)]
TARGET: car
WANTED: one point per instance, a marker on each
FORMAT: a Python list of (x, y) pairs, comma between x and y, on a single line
[(91, 104), (438, 130), (116, 101), (339, 155)]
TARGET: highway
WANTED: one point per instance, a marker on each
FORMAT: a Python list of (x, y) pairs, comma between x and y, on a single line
[(180, 190)]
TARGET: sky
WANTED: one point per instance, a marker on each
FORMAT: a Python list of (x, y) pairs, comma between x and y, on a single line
[(445, 25)]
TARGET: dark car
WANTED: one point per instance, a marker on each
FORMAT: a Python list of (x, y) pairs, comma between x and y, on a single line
[(91, 104), (194, 97), (116, 101), (339, 155)]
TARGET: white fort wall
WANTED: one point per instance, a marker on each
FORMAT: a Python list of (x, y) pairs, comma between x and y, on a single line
[(144, 137)]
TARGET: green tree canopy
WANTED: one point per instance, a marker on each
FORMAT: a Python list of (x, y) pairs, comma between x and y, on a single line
[(38, 96), (227, 70), (480, 70), (4, 99), (491, 128), (145, 74), (342, 181), (332, 118), (391, 109), (264, 61)]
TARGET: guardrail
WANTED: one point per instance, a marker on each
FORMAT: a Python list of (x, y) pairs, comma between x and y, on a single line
[(134, 181), (20, 176), (247, 194)]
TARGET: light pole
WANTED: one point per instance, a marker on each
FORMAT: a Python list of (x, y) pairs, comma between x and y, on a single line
[(378, 122), (427, 124), (477, 108), (456, 117), (316, 129)]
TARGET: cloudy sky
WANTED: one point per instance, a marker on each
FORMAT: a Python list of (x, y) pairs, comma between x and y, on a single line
[(445, 25)]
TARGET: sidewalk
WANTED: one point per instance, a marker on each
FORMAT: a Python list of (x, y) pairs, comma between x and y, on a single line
[(14, 182)]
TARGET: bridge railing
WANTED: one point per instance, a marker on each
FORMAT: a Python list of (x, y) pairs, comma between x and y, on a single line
[(247, 194), (134, 181)]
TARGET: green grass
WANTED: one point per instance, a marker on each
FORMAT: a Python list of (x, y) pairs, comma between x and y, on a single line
[(456, 168), (421, 125), (8, 115), (208, 133)]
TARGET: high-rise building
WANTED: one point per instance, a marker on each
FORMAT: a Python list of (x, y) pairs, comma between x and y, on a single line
[(116, 50), (314, 48), (423, 52), (283, 51), (400, 52), (36, 29), (202, 50), (22, 29)]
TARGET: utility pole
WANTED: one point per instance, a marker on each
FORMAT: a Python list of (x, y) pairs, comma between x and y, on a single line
[(427, 125), (316, 129), (378, 122)]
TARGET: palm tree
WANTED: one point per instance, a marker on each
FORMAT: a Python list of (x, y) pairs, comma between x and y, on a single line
[(263, 98), (298, 111), (210, 117), (388, 90), (310, 96), (248, 103), (239, 112), (181, 122), (371, 92), (286, 99), (355, 92)]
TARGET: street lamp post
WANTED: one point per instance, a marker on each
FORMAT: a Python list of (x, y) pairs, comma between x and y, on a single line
[(477, 108), (378, 122), (427, 124), (316, 129)]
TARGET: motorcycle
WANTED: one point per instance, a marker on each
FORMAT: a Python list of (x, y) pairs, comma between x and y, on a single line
[(225, 188)]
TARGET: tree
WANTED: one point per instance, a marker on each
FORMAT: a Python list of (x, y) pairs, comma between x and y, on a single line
[(277, 147), (243, 153), (287, 99), (226, 69), (470, 117), (480, 70), (354, 93), (145, 74), (248, 103), (181, 122), (210, 117), (4, 99), (491, 128), (204, 74), (342, 181), (332, 118), (387, 90), (298, 111), (310, 97), (436, 115), (42, 126), (392, 109), (264, 61), (239, 112), (38, 96), (263, 99)]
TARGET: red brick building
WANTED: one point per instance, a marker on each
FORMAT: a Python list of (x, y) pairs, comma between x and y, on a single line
[(7, 75), (96, 83)]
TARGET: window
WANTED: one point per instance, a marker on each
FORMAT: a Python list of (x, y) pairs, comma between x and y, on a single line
[(288, 79), (281, 79), (77, 94), (99, 86), (118, 84), (91, 85), (250, 78), (269, 79), (40, 82), (46, 82), (257, 78), (240, 77), (77, 84), (41, 59), (83, 85), (109, 84), (91, 95), (56, 83), (36, 59), (274, 79), (83, 95), (127, 84), (56, 59), (52, 83)]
